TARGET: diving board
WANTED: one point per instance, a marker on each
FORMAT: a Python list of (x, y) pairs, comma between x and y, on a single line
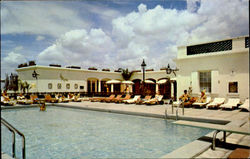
[(217, 127)]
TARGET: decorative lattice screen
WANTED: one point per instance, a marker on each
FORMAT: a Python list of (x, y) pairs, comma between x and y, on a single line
[(210, 47), (246, 42)]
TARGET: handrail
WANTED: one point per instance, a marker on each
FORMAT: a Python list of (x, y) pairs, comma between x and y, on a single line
[(13, 130)]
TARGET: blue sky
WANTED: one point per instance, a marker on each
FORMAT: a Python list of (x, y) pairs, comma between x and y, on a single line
[(113, 34)]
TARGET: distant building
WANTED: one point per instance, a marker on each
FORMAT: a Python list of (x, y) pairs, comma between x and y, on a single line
[(220, 67)]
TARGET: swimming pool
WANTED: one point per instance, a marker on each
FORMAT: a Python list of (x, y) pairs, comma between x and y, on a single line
[(74, 133)]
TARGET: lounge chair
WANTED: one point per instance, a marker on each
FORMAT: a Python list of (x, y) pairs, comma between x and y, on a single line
[(77, 98), (131, 101), (50, 99), (34, 98), (231, 103), (148, 97), (113, 99), (127, 97), (156, 100), (215, 103), (98, 99), (24, 100), (245, 105), (7, 103), (107, 98), (202, 105)]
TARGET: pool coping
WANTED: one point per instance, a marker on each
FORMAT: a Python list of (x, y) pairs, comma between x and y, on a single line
[(189, 150)]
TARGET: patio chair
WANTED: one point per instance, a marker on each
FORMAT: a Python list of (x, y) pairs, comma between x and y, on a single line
[(34, 98), (127, 97), (146, 98), (245, 105), (202, 105), (231, 103), (156, 100), (113, 99), (131, 101), (215, 103), (77, 98)]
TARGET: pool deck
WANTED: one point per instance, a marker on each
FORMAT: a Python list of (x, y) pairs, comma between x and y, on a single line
[(196, 149)]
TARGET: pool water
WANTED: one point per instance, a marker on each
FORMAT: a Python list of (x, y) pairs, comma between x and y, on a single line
[(60, 133)]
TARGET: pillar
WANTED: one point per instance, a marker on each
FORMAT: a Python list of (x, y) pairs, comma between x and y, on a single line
[(99, 86), (172, 89), (112, 88), (156, 88)]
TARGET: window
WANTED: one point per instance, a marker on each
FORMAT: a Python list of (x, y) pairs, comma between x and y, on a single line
[(205, 81), (246, 42), (68, 86), (233, 87), (81, 87), (59, 85), (76, 86), (50, 85)]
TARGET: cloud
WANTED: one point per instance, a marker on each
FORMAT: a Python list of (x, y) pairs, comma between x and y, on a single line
[(152, 34), (79, 47), (39, 38), (18, 48), (10, 62), (33, 18)]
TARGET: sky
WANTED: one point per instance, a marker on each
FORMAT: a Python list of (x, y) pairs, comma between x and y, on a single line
[(113, 33)]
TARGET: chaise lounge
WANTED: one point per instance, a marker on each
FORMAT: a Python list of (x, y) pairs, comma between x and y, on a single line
[(215, 103), (202, 105), (134, 100), (245, 106), (231, 103)]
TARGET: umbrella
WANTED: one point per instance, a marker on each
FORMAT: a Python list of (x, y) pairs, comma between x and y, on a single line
[(113, 82), (127, 82), (162, 81), (149, 82)]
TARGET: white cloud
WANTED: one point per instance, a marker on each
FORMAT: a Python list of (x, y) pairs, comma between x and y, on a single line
[(39, 38), (79, 47), (10, 62), (153, 34), (18, 48), (45, 18)]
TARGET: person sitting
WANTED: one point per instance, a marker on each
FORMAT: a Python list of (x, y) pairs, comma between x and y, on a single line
[(203, 97), (186, 99)]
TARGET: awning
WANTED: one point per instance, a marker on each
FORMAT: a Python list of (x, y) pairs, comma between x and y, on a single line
[(113, 82)]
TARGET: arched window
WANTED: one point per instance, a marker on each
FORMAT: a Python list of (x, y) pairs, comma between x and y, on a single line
[(76, 86), (68, 86), (50, 85)]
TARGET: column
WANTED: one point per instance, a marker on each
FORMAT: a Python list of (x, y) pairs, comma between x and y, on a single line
[(172, 89), (195, 82), (156, 88), (95, 85), (99, 86), (112, 88), (90, 85)]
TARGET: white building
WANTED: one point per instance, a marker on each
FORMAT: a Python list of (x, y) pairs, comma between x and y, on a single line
[(222, 67)]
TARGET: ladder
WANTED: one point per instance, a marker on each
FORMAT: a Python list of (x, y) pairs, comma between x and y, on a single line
[(13, 130)]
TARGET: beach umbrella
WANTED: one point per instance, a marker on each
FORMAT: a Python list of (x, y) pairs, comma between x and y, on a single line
[(162, 81), (149, 82), (113, 82), (127, 82)]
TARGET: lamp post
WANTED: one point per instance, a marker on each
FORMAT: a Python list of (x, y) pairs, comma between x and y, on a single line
[(170, 70), (143, 65)]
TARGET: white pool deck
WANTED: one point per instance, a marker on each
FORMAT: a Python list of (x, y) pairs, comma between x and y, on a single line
[(196, 149)]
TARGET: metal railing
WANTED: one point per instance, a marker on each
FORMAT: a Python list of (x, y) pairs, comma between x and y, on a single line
[(13, 130), (176, 112)]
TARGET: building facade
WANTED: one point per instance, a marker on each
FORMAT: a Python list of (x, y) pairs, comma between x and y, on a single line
[(220, 67)]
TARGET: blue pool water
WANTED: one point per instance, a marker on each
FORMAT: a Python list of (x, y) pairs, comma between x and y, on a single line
[(64, 133)]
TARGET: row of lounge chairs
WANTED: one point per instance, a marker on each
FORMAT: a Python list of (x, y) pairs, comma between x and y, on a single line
[(217, 103), (128, 100)]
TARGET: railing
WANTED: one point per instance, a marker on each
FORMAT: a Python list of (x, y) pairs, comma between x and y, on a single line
[(13, 130), (176, 112)]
